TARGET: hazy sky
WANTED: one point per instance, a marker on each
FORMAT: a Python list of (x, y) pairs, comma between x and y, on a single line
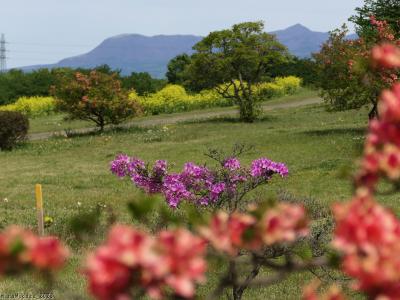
[(45, 31)]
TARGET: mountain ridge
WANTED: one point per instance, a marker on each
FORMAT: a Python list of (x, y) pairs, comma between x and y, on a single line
[(132, 52)]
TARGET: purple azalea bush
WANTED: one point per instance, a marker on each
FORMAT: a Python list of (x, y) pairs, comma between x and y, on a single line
[(199, 184)]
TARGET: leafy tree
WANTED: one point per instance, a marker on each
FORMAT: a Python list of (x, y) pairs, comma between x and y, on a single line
[(176, 69), (106, 69), (232, 61), (345, 76), (16, 83), (143, 83), (97, 97), (385, 10), (305, 68)]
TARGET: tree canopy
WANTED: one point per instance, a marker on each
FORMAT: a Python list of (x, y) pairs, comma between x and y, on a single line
[(232, 61), (387, 10), (176, 69), (344, 72)]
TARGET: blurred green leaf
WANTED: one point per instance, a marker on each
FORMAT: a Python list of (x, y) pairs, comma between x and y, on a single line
[(143, 206), (304, 251)]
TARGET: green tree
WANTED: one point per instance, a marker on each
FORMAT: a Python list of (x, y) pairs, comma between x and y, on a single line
[(16, 83), (305, 68), (97, 97), (384, 10), (143, 83), (176, 69), (232, 61), (106, 69), (345, 76)]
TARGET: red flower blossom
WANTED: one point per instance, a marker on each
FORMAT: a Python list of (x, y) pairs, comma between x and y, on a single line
[(127, 254), (182, 256), (310, 292), (133, 259), (389, 104), (284, 223), (108, 278), (228, 233), (368, 236), (20, 248), (47, 253), (387, 55), (390, 162)]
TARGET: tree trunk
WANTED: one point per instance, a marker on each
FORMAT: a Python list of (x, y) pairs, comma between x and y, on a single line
[(101, 124), (237, 293), (374, 111), (247, 109), (238, 290)]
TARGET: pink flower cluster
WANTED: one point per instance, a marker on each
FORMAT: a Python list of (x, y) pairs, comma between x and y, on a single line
[(387, 56), (367, 234), (382, 150), (196, 184), (382, 27), (264, 167), (149, 180), (21, 249), (333, 293), (283, 223), (369, 237), (232, 164), (132, 260)]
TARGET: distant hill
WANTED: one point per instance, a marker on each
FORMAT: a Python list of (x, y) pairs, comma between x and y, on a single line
[(138, 53), (301, 41)]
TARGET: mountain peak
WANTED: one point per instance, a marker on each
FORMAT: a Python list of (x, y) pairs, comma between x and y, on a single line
[(298, 27)]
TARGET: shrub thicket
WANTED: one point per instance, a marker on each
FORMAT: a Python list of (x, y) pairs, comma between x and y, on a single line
[(32, 106), (281, 86), (97, 97), (13, 129), (174, 98)]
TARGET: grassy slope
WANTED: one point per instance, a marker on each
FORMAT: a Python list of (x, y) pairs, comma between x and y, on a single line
[(56, 122), (315, 144)]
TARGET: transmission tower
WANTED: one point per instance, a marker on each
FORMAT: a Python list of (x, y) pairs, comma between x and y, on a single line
[(3, 57)]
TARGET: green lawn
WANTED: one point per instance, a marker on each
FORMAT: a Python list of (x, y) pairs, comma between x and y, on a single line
[(316, 145), (57, 122)]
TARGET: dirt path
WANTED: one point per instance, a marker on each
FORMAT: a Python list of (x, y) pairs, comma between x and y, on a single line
[(181, 117)]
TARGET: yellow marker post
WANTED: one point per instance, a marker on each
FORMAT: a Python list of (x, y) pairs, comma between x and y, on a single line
[(39, 208)]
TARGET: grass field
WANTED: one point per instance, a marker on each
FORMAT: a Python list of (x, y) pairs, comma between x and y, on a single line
[(57, 122), (317, 146)]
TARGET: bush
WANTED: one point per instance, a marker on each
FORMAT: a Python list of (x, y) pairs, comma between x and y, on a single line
[(13, 129), (97, 97), (281, 86), (174, 98), (32, 106), (210, 98), (290, 84), (345, 76), (270, 90)]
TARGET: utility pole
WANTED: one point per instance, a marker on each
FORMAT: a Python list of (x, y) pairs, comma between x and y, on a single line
[(3, 57)]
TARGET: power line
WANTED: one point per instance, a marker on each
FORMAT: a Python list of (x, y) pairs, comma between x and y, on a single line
[(3, 58), (47, 45), (43, 52)]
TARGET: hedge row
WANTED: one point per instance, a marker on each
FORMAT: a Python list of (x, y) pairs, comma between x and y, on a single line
[(32, 106), (174, 98)]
